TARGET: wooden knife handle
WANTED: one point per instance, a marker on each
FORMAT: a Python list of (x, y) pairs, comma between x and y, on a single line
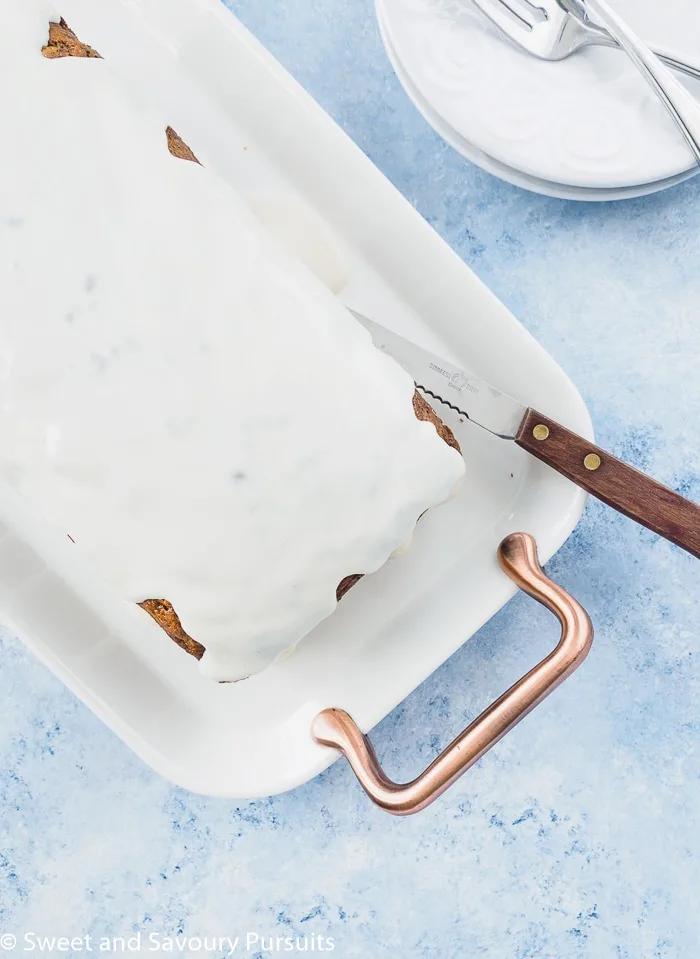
[(612, 481)]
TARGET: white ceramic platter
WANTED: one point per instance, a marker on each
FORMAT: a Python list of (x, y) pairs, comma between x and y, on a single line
[(587, 127), (251, 123)]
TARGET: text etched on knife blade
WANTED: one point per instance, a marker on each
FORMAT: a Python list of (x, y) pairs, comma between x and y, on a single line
[(457, 381)]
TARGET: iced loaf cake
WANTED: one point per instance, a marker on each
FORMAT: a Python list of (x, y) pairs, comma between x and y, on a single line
[(177, 393)]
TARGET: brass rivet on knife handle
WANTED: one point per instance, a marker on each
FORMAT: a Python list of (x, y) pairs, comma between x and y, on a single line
[(541, 432), (621, 486), (517, 555)]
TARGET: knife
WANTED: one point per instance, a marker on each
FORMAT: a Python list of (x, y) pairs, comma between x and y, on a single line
[(617, 484)]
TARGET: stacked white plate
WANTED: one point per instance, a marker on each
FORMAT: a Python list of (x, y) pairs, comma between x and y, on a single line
[(586, 128)]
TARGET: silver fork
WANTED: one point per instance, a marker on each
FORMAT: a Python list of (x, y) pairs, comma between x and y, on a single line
[(554, 29)]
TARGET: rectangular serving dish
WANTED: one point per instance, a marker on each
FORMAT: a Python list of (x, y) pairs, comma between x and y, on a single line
[(259, 130)]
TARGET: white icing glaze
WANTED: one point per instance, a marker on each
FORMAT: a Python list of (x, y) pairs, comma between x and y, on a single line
[(176, 391), (302, 231)]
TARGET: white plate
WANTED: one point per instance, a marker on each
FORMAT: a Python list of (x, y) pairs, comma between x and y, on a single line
[(587, 123), (516, 177), (249, 121)]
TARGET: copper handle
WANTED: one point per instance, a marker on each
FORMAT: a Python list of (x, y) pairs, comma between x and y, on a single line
[(517, 555)]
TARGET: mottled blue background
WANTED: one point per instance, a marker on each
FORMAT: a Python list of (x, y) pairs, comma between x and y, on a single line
[(580, 834)]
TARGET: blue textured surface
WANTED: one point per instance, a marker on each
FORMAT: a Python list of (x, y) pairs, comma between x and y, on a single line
[(580, 834)]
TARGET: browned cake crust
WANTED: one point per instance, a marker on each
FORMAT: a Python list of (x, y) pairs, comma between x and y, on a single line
[(347, 584), (178, 147), (64, 43), (166, 617), (424, 411)]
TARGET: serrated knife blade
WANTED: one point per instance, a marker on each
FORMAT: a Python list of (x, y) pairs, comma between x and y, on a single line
[(450, 389), (442, 381)]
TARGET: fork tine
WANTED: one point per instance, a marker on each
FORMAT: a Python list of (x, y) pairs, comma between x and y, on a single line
[(537, 9), (504, 15)]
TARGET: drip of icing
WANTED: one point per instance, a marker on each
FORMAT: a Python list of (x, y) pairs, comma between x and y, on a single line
[(176, 391)]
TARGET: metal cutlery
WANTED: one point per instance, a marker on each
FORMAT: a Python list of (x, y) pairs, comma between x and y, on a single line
[(458, 396), (517, 556), (461, 396), (555, 29)]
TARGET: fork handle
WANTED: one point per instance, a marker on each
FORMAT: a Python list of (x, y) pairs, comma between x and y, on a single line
[(616, 483), (675, 62), (681, 105)]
